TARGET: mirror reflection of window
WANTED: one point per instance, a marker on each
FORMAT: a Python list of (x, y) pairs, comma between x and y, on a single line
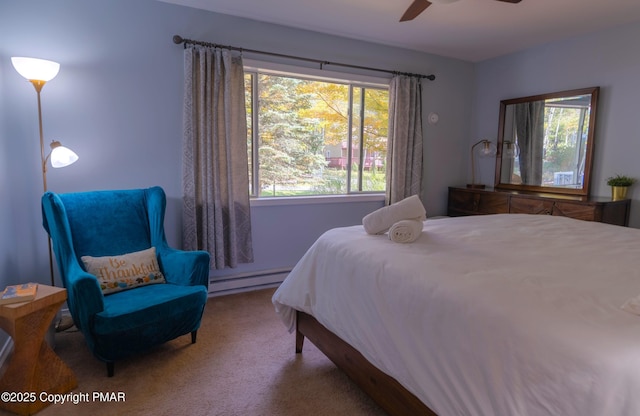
[(552, 133), (565, 141)]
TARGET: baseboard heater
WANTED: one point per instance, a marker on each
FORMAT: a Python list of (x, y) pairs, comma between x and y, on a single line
[(243, 282)]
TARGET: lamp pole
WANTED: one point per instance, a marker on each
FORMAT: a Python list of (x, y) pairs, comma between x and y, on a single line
[(37, 84)]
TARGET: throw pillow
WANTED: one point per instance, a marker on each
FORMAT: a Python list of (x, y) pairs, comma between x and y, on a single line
[(116, 273)]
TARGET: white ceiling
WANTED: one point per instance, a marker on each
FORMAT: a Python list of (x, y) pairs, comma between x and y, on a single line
[(472, 30)]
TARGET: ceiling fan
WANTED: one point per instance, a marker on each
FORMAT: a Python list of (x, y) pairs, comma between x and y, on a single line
[(418, 6)]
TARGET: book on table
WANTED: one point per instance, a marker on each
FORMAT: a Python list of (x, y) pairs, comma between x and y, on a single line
[(18, 293)]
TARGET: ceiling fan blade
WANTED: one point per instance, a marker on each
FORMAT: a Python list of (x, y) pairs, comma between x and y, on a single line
[(417, 7), (510, 1)]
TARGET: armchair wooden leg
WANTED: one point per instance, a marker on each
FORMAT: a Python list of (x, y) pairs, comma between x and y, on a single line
[(194, 334), (110, 369)]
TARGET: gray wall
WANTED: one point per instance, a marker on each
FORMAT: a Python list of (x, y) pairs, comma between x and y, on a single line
[(117, 102), (609, 59)]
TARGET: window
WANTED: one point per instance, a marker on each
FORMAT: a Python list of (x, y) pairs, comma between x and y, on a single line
[(315, 136)]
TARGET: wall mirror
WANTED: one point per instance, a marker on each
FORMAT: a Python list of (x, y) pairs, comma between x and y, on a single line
[(545, 142)]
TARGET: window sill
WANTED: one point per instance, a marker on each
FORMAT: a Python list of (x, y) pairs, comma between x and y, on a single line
[(319, 199)]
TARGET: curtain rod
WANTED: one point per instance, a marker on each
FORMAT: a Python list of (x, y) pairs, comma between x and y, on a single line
[(177, 39)]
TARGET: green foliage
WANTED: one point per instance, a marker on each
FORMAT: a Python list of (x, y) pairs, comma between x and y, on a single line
[(375, 181), (563, 140), (301, 121), (620, 180), (334, 182)]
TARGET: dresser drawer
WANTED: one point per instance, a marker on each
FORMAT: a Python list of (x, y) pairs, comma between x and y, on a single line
[(466, 201), (577, 211), (522, 205), (463, 202)]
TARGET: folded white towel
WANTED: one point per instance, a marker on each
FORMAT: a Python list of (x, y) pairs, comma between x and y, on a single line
[(380, 220), (405, 231), (632, 305)]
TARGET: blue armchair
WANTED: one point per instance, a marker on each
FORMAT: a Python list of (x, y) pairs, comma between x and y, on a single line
[(113, 223)]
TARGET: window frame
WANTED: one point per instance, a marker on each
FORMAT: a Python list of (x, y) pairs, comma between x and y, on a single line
[(352, 80)]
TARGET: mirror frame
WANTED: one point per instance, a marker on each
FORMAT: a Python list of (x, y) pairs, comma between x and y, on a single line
[(584, 191)]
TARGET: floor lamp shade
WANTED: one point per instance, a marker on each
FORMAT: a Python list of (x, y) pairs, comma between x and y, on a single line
[(61, 156), (35, 69)]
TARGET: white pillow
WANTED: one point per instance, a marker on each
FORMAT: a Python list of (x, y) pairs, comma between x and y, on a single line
[(116, 273)]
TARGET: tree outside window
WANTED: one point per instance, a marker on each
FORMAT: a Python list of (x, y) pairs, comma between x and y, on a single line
[(315, 137)]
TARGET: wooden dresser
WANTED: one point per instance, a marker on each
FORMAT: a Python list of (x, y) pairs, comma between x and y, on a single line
[(465, 201)]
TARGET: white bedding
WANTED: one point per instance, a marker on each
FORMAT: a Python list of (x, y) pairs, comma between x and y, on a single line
[(500, 315)]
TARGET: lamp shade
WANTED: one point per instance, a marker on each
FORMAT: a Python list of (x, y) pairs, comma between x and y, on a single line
[(511, 150), (487, 149), (61, 156), (36, 69)]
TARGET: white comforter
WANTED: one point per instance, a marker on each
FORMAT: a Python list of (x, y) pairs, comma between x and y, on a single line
[(500, 315)]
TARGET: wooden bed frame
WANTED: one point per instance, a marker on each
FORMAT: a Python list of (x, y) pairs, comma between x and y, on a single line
[(382, 388)]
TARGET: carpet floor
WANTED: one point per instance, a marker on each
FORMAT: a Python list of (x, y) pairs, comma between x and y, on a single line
[(243, 363)]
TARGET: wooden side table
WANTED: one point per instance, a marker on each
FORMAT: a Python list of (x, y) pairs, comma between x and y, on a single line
[(34, 367)]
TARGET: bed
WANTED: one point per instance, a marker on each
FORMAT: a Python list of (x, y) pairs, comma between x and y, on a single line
[(507, 314)]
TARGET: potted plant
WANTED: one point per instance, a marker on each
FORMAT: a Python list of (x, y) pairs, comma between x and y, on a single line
[(619, 185)]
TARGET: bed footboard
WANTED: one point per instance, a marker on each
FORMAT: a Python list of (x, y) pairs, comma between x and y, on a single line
[(383, 389)]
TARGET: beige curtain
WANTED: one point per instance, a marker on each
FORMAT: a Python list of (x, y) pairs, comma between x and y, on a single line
[(530, 132), (404, 149), (216, 214)]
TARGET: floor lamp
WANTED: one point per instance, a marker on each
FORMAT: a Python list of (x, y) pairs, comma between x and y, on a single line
[(39, 72)]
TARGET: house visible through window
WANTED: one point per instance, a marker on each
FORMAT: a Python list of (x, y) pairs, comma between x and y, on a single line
[(315, 136)]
